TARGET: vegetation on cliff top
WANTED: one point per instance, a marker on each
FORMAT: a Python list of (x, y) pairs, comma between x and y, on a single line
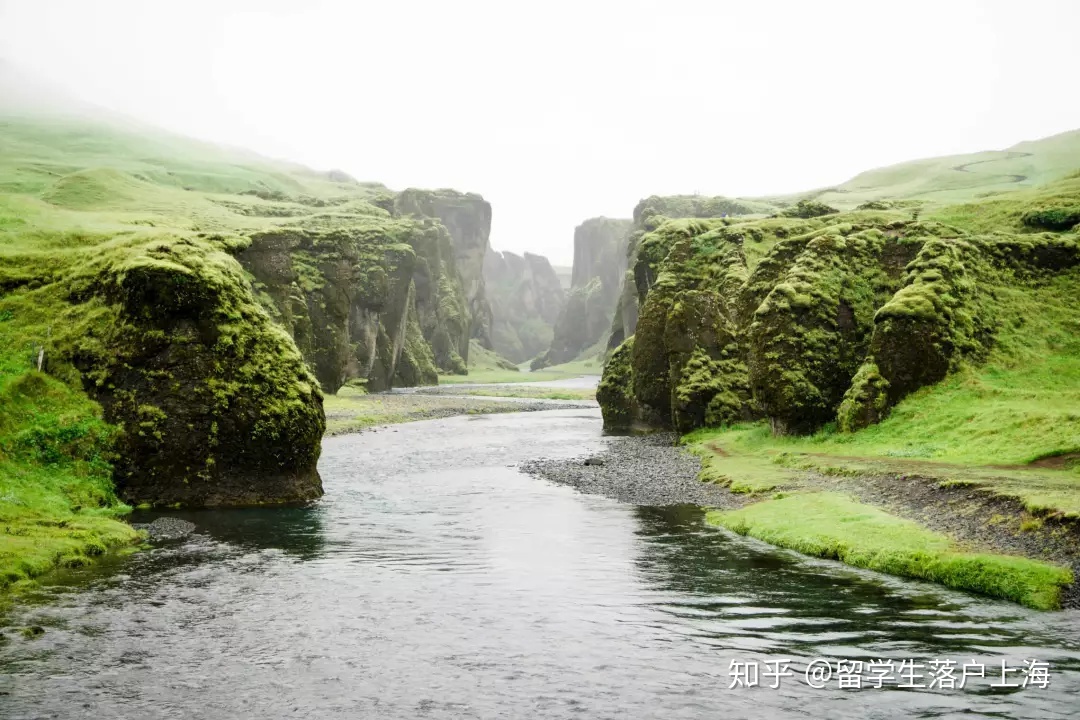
[(163, 371), (872, 342)]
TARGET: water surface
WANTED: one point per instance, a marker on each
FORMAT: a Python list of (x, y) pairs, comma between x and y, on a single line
[(436, 581)]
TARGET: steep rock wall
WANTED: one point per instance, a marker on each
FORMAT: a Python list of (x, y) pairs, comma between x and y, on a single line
[(379, 301), (809, 320), (467, 216), (599, 265), (649, 214), (528, 298), (343, 295)]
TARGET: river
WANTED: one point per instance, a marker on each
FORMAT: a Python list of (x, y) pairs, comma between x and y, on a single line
[(435, 580)]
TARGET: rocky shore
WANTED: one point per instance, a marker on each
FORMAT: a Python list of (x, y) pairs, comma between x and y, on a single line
[(651, 470), (641, 470)]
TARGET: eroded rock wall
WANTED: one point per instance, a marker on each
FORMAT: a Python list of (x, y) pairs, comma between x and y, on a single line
[(807, 320), (599, 265), (212, 403), (527, 299), (467, 216), (649, 214)]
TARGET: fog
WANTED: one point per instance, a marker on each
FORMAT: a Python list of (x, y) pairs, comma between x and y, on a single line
[(560, 111)]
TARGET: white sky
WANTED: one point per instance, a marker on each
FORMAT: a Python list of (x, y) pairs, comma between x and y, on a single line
[(558, 111)]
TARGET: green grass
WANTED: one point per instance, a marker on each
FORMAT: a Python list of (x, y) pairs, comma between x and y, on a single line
[(936, 181), (565, 371), (831, 525), (57, 506), (541, 393), (742, 474)]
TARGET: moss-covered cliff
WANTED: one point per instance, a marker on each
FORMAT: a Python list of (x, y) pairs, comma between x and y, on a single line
[(649, 214), (599, 263), (528, 298), (378, 299), (211, 401), (185, 305), (467, 216), (810, 318)]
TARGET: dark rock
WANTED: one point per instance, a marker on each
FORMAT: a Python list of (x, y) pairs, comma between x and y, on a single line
[(599, 264), (166, 528)]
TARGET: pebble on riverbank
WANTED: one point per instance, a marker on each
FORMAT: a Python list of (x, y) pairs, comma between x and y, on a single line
[(641, 470), (166, 528)]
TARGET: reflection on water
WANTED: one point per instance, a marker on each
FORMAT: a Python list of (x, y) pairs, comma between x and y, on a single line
[(436, 581), (293, 530)]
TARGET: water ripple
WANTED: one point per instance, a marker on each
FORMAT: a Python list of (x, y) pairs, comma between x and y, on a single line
[(436, 581)]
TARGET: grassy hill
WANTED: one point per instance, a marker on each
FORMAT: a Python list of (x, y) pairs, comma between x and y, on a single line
[(956, 178), (95, 212), (58, 173)]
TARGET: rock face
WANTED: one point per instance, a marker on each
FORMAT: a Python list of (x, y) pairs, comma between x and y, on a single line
[(213, 402), (528, 297), (648, 215), (810, 318), (379, 299), (599, 264), (468, 218)]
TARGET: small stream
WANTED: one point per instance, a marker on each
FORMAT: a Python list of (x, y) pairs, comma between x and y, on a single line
[(435, 580)]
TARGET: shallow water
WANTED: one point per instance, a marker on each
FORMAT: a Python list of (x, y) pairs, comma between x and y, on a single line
[(436, 581)]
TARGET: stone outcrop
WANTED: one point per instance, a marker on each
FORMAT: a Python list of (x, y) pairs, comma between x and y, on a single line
[(528, 298), (649, 214), (809, 318), (599, 265), (212, 402), (379, 300), (467, 216)]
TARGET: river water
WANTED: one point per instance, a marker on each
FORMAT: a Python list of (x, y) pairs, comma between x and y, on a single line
[(434, 580)]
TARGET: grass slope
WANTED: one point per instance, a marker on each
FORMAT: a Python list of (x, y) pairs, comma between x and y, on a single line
[(831, 525), (75, 192), (1007, 422), (957, 178), (57, 505)]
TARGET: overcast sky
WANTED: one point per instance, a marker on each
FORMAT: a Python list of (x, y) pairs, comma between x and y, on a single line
[(558, 111)]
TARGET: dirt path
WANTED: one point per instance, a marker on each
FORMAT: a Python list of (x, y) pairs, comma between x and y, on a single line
[(1009, 155)]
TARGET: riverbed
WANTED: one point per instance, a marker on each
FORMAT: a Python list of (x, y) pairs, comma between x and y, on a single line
[(437, 580)]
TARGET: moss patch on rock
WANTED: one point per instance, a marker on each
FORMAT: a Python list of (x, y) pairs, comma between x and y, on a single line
[(811, 321)]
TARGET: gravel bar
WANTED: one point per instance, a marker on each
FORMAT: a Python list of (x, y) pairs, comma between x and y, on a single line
[(640, 470)]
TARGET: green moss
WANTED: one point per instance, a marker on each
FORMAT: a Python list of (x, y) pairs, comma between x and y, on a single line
[(57, 504), (830, 525), (165, 333), (867, 400), (810, 333), (807, 209), (803, 304), (1052, 218), (614, 392)]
